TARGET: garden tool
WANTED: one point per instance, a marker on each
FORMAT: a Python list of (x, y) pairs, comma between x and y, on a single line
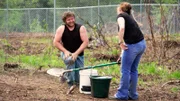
[(63, 72)]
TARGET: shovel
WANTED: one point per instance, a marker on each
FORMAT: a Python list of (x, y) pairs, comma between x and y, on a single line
[(63, 78), (60, 72), (90, 67)]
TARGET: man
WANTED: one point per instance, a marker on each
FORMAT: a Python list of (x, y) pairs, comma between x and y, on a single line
[(71, 39)]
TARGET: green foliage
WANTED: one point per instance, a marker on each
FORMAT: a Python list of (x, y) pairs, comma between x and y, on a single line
[(152, 68), (35, 26), (45, 25), (14, 21), (2, 56), (115, 52), (167, 1), (5, 42), (26, 3), (174, 75), (175, 89), (49, 58)]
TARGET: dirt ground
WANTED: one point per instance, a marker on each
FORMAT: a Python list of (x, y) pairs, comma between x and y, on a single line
[(18, 84), (36, 85)]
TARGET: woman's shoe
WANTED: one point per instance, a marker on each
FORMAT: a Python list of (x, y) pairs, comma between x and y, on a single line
[(114, 98)]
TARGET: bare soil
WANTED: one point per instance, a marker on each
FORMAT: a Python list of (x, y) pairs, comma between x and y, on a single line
[(18, 84), (36, 85)]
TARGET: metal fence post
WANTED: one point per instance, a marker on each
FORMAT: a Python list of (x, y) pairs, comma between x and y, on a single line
[(7, 15), (141, 11), (7, 26), (98, 13), (91, 16), (54, 16), (178, 10), (29, 17)]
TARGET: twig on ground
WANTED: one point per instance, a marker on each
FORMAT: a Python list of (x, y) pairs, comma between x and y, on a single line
[(170, 82)]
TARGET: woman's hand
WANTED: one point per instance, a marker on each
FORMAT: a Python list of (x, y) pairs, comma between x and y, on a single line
[(119, 60), (123, 46)]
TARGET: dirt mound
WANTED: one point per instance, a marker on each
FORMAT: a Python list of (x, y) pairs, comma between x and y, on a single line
[(171, 44), (106, 57)]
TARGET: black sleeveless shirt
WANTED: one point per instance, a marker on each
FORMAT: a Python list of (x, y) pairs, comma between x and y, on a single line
[(132, 32), (71, 39)]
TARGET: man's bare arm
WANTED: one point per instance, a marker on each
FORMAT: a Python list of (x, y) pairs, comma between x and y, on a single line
[(58, 42)]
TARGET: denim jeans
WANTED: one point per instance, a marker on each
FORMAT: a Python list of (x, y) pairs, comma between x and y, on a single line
[(73, 77), (129, 65)]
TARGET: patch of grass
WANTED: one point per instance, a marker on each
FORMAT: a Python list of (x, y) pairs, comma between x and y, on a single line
[(174, 75), (175, 89), (2, 56), (141, 82), (113, 39), (115, 51), (47, 59), (41, 60), (152, 68), (5, 42), (113, 70), (40, 40), (175, 36)]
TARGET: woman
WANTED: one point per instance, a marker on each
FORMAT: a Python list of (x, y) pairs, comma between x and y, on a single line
[(131, 41)]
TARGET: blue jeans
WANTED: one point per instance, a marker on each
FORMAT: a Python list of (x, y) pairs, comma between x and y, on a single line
[(73, 77), (129, 63)]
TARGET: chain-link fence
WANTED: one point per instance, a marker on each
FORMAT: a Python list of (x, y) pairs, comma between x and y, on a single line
[(96, 12), (45, 17)]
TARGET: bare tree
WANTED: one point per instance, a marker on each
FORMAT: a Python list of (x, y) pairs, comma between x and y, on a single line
[(151, 24), (96, 31)]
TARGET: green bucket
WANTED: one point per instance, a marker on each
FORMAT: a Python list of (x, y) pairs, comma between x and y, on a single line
[(100, 86)]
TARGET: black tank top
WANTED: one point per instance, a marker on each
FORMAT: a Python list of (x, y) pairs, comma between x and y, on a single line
[(132, 32), (71, 39)]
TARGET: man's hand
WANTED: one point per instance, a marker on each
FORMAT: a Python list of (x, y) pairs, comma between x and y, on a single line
[(74, 56), (67, 54)]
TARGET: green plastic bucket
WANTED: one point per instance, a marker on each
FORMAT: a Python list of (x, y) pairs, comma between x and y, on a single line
[(100, 86)]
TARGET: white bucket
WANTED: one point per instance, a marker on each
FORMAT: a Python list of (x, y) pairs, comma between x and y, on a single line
[(85, 80)]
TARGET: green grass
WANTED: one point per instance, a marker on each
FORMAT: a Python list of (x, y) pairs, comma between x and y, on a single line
[(40, 40), (175, 36), (49, 58), (2, 56), (174, 75), (175, 89), (152, 69), (36, 60)]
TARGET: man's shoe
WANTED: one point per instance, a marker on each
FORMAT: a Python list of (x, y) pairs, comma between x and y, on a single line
[(71, 89)]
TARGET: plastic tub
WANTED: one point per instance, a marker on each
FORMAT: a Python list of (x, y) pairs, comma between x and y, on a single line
[(85, 84)]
